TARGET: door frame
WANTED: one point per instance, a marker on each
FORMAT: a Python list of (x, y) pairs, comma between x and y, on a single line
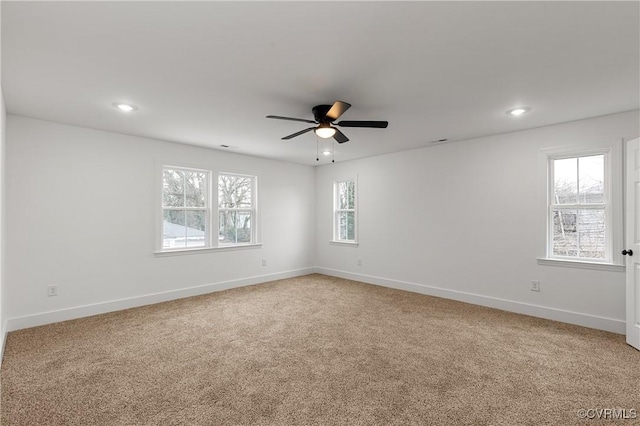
[(632, 240)]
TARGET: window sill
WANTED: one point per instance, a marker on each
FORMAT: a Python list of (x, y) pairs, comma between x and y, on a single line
[(581, 264), (344, 243), (182, 252)]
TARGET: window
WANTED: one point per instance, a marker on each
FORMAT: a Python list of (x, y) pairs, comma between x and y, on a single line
[(190, 217), (579, 208), (344, 229), (236, 208), (185, 208)]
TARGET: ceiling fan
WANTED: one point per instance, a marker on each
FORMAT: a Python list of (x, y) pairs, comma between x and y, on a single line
[(325, 115)]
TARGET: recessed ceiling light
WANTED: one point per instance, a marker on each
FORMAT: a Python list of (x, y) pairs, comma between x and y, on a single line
[(125, 107), (518, 111), (326, 152)]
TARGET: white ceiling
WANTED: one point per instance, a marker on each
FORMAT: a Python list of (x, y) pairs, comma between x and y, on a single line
[(207, 73)]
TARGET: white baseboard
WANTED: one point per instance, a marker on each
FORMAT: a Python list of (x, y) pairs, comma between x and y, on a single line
[(50, 317), (585, 320), (3, 336)]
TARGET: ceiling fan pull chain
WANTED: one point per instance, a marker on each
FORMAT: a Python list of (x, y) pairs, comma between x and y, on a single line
[(333, 160), (317, 155)]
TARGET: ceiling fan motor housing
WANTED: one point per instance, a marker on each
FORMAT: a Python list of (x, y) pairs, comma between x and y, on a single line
[(320, 113)]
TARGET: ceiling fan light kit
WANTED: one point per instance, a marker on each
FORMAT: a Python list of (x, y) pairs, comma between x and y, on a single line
[(324, 116), (325, 131)]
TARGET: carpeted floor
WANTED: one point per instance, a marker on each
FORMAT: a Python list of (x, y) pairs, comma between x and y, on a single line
[(315, 350)]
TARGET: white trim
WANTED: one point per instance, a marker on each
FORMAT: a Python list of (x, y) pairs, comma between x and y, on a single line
[(196, 250), (571, 263), (255, 226), (3, 342), (336, 210), (43, 318), (344, 243), (612, 204), (208, 239), (577, 318)]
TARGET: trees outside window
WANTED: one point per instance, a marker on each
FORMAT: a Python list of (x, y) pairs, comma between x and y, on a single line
[(185, 208), (579, 208), (235, 208), (189, 218)]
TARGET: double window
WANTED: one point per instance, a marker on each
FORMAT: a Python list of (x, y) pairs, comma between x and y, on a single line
[(189, 216)]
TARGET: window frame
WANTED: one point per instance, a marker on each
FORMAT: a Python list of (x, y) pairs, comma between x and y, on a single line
[(612, 207), (337, 211), (252, 210), (212, 243), (206, 208), (605, 206)]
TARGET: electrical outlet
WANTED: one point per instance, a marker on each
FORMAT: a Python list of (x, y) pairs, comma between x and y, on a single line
[(264, 262), (359, 262), (52, 290), (535, 285)]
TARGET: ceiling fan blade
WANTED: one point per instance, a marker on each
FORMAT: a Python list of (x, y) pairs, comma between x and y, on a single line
[(298, 133), (291, 119), (337, 110), (373, 124), (340, 137)]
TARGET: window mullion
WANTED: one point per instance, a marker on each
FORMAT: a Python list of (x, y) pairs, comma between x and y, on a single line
[(580, 206), (578, 180), (184, 208)]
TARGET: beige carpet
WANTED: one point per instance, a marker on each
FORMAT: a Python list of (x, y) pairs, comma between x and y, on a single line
[(315, 350)]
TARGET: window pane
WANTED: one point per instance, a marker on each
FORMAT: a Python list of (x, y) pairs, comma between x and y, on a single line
[(173, 229), (173, 188), (235, 191), (226, 229), (591, 179), (235, 227), (346, 226), (195, 228), (243, 227), (579, 233), (591, 233), (565, 174), (346, 195), (342, 195), (195, 189), (565, 239)]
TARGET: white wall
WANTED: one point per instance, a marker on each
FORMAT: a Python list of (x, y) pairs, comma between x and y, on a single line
[(81, 210), (3, 118), (433, 220), (73, 195)]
